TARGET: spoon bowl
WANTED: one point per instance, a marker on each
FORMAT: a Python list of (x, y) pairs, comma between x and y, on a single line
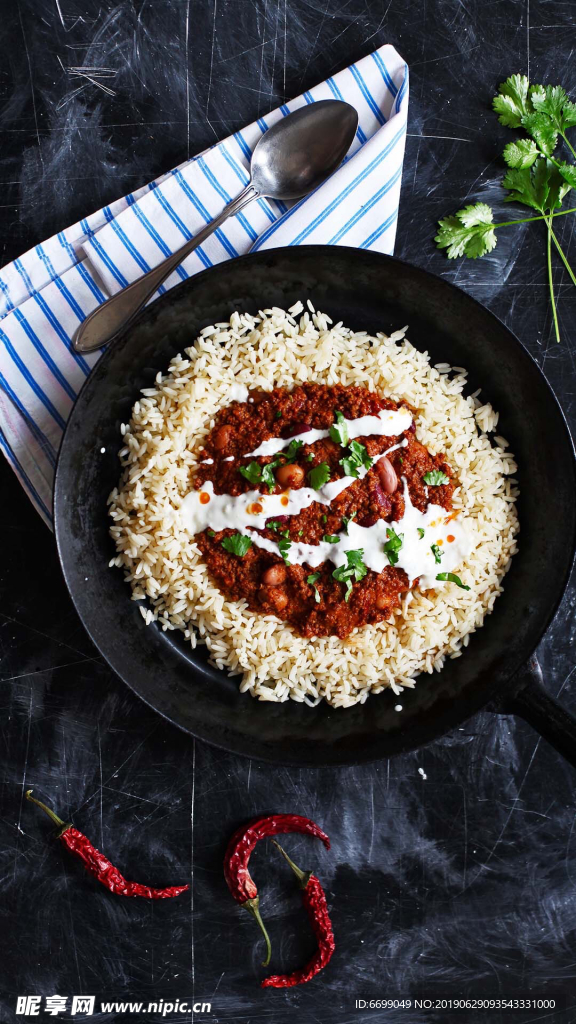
[(300, 152)]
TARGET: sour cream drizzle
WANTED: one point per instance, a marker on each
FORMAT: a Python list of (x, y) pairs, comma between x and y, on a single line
[(388, 423), (252, 509), (419, 530)]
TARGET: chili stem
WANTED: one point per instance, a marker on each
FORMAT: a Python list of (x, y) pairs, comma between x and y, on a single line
[(45, 808), (551, 282), (253, 907), (302, 876)]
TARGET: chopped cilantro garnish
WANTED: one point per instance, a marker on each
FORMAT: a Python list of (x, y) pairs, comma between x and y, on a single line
[(331, 538), (324, 518), (268, 477), (355, 569), (312, 580), (435, 478), (278, 415), (420, 532), (319, 476), (310, 457), (300, 532), (284, 546), (393, 545), (273, 524), (357, 458), (437, 553), (348, 519), (252, 472), (211, 533), (339, 430), (237, 544), (292, 450), (451, 577)]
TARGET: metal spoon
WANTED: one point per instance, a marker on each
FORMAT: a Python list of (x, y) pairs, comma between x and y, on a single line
[(291, 159)]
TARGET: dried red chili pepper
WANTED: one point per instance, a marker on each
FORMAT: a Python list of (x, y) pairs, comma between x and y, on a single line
[(238, 853), (99, 865), (314, 900)]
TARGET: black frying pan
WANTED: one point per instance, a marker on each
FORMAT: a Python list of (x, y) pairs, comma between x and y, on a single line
[(368, 292)]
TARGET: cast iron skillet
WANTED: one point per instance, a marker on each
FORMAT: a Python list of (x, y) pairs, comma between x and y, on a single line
[(368, 292)]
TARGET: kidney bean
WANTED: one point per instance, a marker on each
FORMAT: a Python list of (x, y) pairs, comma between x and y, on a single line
[(368, 520), (290, 475), (412, 428), (223, 437), (380, 497), (299, 428), (275, 575), (387, 475), (279, 599), (277, 519)]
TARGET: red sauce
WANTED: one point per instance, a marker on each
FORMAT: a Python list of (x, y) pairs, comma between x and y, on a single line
[(283, 413)]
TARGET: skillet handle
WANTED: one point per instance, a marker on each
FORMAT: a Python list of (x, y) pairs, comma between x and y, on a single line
[(532, 702)]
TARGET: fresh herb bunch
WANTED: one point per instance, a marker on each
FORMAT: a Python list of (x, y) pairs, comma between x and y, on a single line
[(536, 177)]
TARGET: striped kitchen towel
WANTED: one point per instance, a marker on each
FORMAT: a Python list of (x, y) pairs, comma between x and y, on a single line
[(47, 292)]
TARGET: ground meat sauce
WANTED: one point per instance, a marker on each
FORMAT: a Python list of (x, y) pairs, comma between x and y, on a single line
[(240, 428)]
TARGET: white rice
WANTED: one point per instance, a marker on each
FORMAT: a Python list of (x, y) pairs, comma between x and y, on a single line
[(162, 445)]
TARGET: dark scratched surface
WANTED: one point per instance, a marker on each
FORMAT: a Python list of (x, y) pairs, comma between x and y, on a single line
[(460, 883)]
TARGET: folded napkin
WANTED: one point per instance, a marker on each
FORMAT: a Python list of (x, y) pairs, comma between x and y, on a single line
[(47, 292)]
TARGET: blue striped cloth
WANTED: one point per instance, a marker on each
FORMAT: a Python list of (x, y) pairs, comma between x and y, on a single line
[(47, 292)]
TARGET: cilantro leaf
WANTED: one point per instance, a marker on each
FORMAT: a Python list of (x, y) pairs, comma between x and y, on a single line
[(268, 477), (568, 172), (435, 477), (237, 544), (331, 538), (512, 102), (469, 232), (310, 457), (339, 430), (292, 450), (553, 101), (319, 476), (521, 153), (348, 519), (356, 459), (355, 569), (540, 127), (311, 579), (393, 545), (437, 552), (451, 577), (284, 547), (519, 182), (421, 532), (252, 472)]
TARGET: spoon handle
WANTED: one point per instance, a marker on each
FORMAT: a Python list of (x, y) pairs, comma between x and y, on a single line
[(106, 322)]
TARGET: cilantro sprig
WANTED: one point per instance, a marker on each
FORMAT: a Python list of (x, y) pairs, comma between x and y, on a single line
[(435, 478), (451, 577), (237, 544), (393, 545), (339, 430), (353, 570), (356, 459), (437, 552), (312, 579), (538, 176)]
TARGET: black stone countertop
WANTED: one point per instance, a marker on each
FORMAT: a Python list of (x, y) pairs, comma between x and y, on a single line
[(463, 883)]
